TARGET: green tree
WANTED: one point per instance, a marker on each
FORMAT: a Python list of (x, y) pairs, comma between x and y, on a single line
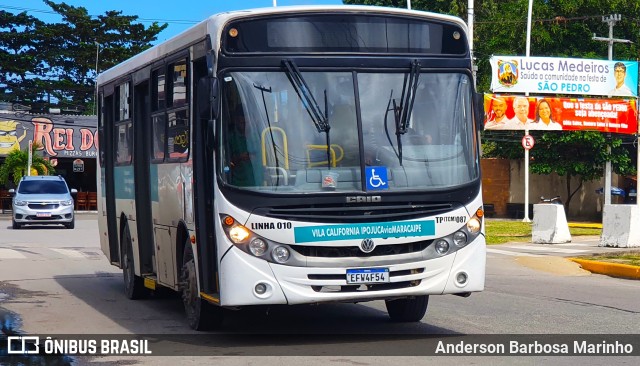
[(57, 61), (18, 55), (15, 165)]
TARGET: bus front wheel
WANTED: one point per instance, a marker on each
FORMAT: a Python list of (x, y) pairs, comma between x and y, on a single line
[(409, 309), (133, 285), (200, 314)]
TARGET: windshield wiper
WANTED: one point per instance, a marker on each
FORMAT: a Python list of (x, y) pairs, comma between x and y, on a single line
[(402, 110), (318, 117)]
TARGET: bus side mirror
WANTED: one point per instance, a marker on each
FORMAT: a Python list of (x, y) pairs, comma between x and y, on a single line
[(478, 110)]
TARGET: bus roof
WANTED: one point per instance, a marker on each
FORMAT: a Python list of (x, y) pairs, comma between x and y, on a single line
[(215, 23)]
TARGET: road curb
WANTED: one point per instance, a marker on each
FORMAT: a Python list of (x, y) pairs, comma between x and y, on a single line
[(609, 269), (585, 225)]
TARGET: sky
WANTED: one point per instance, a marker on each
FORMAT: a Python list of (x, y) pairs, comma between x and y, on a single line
[(180, 14)]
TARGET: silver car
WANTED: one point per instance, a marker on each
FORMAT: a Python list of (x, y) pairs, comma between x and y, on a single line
[(43, 200)]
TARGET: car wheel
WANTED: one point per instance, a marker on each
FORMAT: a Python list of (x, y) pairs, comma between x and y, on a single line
[(71, 224), (200, 314), (16, 226)]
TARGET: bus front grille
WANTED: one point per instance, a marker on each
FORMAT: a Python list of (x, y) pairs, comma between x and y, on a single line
[(354, 251), (347, 213), (366, 288)]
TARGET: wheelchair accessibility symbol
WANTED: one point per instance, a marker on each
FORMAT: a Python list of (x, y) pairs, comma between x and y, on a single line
[(376, 178)]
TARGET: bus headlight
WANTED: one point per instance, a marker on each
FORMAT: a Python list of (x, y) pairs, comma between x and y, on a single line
[(474, 225), (280, 254), (442, 247), (459, 238), (258, 247), (465, 235), (238, 234)]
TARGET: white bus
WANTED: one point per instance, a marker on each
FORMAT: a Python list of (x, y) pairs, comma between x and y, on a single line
[(296, 155)]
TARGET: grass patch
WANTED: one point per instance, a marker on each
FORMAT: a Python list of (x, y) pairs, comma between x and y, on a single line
[(632, 259), (503, 231)]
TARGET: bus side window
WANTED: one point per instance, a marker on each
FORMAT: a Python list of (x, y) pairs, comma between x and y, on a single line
[(158, 118), (177, 130), (178, 138), (159, 135), (124, 125)]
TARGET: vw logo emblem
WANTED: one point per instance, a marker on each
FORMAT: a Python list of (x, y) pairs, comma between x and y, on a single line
[(367, 246)]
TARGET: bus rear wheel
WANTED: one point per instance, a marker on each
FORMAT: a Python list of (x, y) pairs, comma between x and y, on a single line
[(133, 285), (409, 309), (200, 314)]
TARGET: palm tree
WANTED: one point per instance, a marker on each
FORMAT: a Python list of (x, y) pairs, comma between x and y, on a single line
[(15, 165)]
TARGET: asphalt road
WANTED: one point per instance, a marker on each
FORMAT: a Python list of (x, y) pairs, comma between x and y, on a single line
[(56, 281)]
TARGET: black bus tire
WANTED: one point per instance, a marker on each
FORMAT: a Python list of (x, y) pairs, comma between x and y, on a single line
[(407, 310), (133, 285), (201, 315)]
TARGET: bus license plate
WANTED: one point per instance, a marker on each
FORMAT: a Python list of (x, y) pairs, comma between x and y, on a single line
[(368, 275), (43, 214)]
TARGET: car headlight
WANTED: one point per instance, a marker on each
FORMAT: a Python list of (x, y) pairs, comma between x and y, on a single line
[(19, 203), (67, 202)]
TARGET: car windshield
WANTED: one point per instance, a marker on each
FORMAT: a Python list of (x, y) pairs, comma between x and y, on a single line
[(42, 187), (294, 131)]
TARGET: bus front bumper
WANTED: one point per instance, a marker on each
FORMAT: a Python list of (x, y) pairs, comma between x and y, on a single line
[(243, 278)]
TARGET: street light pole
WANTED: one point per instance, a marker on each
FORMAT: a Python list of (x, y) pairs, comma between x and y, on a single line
[(611, 20), (526, 131), (95, 102), (470, 14)]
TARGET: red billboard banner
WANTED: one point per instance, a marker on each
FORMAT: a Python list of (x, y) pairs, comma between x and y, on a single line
[(509, 112)]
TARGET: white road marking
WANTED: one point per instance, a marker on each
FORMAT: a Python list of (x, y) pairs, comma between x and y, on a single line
[(507, 252), (69, 252), (546, 248), (11, 254), (573, 245)]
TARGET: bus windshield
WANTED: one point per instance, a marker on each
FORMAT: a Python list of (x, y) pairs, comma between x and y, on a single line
[(278, 136)]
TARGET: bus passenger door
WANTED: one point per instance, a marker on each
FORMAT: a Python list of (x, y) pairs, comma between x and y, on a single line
[(109, 238), (204, 174), (141, 125)]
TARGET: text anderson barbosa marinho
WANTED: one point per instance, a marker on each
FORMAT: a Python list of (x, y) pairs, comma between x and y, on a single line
[(515, 347)]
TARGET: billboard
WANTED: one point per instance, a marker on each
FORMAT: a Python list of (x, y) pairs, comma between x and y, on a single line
[(509, 112), (74, 137), (552, 75)]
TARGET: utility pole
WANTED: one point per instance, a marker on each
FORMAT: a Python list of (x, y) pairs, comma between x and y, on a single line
[(95, 102), (526, 131), (611, 20)]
